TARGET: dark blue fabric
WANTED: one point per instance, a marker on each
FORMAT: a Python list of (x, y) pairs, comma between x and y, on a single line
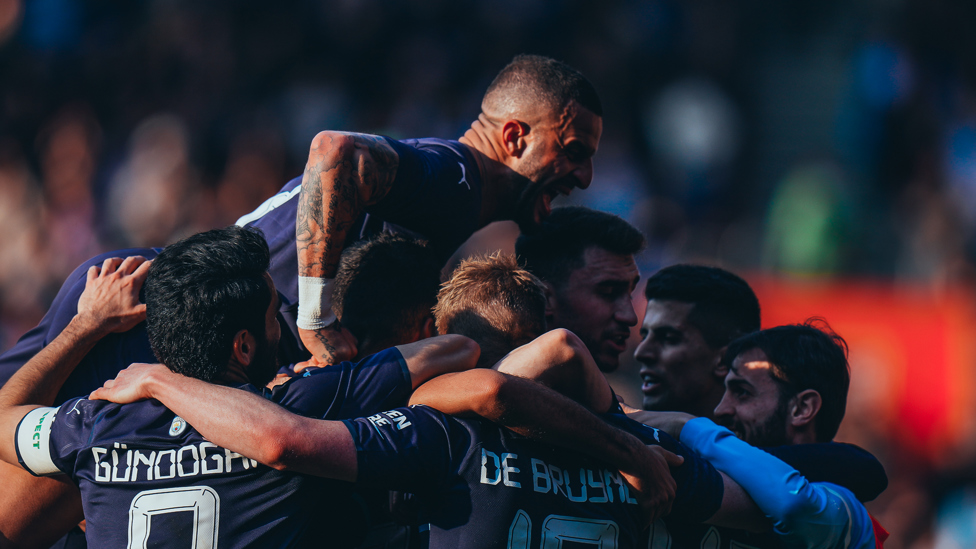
[(481, 485)]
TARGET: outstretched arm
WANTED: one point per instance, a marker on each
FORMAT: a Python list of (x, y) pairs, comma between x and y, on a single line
[(242, 422), (538, 412), (110, 303), (808, 514), (345, 173)]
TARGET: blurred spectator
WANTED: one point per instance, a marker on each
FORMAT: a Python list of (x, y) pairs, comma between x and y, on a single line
[(154, 197), (68, 148), (24, 261)]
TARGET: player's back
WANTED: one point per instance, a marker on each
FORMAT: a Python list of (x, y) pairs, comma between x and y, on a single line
[(148, 479), (436, 196), (110, 355), (481, 485)]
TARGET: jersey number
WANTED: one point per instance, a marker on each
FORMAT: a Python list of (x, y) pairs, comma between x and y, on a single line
[(202, 501), (556, 529)]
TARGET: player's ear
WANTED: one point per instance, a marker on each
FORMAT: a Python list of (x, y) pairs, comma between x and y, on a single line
[(804, 408), (245, 347), (513, 137), (428, 328)]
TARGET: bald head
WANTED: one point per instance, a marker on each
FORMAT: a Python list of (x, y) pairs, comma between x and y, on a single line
[(533, 85)]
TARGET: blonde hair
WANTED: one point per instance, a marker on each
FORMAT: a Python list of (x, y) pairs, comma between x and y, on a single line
[(495, 302)]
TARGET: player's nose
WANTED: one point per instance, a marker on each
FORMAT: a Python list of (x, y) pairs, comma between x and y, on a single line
[(625, 313), (584, 174), (646, 351), (724, 408)]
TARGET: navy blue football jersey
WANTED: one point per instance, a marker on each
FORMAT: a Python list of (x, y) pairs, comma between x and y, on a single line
[(148, 479), (378, 382), (110, 355), (143, 459), (436, 196), (481, 485)]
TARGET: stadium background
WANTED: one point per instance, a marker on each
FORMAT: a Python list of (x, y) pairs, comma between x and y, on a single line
[(825, 150)]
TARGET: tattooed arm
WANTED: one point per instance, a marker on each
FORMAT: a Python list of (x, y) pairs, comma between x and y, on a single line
[(345, 173)]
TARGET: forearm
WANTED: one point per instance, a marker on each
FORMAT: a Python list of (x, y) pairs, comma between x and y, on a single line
[(559, 360), (778, 489), (428, 358), (257, 428), (40, 379), (531, 409), (344, 174)]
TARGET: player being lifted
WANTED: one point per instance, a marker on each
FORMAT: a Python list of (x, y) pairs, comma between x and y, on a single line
[(539, 128)]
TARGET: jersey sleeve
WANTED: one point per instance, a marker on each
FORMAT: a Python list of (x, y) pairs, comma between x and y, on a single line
[(436, 193), (806, 514), (348, 390), (414, 449), (49, 439), (700, 487), (843, 464)]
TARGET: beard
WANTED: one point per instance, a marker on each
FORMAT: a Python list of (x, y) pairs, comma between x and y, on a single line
[(771, 432), (264, 366)]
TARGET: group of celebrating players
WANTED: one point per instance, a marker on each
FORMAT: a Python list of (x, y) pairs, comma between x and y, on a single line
[(304, 379)]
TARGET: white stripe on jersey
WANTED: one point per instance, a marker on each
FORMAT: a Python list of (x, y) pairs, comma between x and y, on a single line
[(268, 205), (34, 441)]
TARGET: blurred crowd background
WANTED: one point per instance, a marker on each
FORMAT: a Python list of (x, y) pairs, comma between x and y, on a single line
[(824, 150)]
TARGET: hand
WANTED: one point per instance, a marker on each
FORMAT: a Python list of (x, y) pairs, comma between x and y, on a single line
[(279, 379), (110, 302), (627, 408), (131, 385), (309, 364), (330, 345), (669, 422), (651, 478)]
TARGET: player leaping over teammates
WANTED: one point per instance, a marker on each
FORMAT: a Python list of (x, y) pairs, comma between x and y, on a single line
[(539, 127)]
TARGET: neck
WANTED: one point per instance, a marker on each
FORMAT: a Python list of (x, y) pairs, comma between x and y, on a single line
[(802, 436), (496, 176), (233, 376)]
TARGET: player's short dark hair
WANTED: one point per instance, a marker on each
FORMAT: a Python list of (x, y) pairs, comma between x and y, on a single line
[(494, 302), (556, 249), (200, 292), (537, 78), (805, 356), (385, 287), (725, 307)]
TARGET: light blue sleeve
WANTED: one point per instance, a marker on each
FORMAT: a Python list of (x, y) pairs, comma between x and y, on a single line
[(805, 514)]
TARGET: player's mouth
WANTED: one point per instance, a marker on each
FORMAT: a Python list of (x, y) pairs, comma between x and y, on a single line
[(650, 383), (617, 341), (544, 204)]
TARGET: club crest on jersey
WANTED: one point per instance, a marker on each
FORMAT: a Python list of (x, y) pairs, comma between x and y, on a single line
[(177, 427)]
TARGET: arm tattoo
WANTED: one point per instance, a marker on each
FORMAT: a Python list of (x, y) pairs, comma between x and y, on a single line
[(345, 173)]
